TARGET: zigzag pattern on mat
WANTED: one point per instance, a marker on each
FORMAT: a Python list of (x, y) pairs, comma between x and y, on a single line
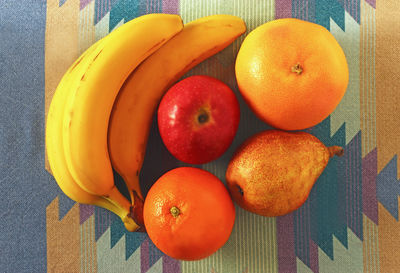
[(353, 210)]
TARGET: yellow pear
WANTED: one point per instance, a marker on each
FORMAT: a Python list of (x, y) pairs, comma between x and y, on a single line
[(272, 172)]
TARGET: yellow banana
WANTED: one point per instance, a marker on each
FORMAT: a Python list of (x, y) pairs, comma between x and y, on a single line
[(54, 145), (139, 96), (92, 94)]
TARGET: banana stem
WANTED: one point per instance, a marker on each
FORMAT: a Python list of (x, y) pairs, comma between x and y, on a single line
[(335, 150), (107, 204), (130, 224), (119, 211), (125, 208)]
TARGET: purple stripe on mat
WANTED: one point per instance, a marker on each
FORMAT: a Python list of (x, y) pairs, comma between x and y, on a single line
[(369, 173), (283, 9), (300, 9), (103, 221), (144, 256), (353, 8), (170, 6), (372, 3), (310, 249), (314, 266), (301, 220), (171, 265), (353, 182), (153, 6), (349, 156), (306, 249), (102, 7), (85, 211), (286, 251), (84, 3)]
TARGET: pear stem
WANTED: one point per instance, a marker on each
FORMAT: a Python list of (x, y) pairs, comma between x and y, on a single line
[(335, 150)]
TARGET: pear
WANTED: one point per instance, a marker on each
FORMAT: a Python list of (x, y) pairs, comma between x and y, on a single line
[(272, 173)]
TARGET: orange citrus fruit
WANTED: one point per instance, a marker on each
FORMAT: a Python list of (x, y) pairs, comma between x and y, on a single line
[(292, 73), (188, 213)]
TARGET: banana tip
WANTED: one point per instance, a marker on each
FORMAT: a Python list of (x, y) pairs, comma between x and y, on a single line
[(136, 212)]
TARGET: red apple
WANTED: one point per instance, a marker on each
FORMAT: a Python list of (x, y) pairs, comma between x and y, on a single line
[(198, 118)]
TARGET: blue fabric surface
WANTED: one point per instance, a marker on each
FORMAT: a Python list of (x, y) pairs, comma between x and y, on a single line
[(25, 185)]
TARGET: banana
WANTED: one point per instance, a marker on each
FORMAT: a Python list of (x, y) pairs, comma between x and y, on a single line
[(55, 152), (92, 94), (139, 96)]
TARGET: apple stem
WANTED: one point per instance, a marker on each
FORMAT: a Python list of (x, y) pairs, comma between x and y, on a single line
[(175, 211), (335, 150), (202, 118)]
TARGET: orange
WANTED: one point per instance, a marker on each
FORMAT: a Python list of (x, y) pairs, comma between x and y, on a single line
[(292, 73), (188, 213)]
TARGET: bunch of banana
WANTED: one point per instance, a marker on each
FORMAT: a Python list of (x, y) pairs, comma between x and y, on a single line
[(77, 125), (56, 156), (101, 113)]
